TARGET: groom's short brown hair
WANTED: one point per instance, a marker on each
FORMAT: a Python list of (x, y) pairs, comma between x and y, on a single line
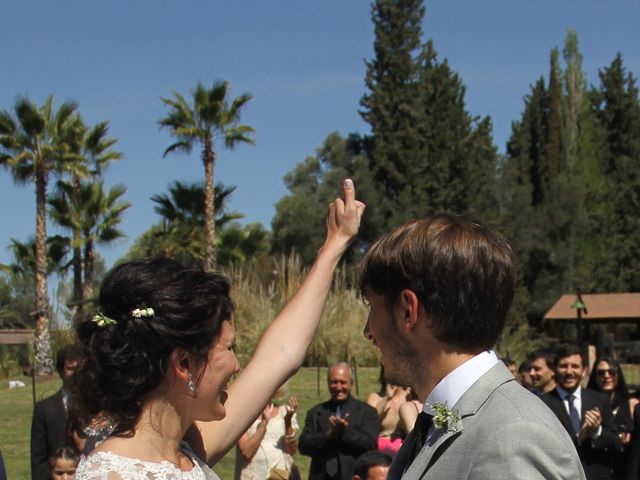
[(462, 273)]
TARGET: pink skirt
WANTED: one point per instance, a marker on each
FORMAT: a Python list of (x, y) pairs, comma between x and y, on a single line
[(389, 445)]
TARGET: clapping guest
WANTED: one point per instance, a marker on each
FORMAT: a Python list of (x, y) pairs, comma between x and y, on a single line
[(409, 412), (387, 403), (584, 413), (607, 377), (267, 448)]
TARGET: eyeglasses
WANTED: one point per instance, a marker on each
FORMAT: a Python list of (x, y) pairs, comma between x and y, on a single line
[(601, 372)]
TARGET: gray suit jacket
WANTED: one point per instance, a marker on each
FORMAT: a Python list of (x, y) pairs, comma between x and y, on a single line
[(504, 432)]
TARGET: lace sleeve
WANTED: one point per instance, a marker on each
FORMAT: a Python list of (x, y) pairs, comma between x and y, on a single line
[(94, 467), (104, 465)]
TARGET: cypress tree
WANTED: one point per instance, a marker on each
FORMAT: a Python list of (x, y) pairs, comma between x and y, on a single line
[(554, 144), (617, 109), (389, 107)]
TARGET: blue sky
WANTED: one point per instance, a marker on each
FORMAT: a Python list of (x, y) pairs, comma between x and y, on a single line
[(302, 61)]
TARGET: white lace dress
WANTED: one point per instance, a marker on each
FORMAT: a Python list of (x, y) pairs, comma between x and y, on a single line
[(109, 466)]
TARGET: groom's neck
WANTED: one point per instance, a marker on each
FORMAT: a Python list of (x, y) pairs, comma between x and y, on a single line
[(437, 364)]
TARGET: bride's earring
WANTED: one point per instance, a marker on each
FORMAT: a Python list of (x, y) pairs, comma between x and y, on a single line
[(191, 385)]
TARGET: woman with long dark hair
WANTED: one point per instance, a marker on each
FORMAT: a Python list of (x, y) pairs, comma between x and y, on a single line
[(159, 355), (607, 377)]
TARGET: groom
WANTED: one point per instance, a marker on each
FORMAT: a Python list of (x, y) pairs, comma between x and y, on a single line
[(439, 290)]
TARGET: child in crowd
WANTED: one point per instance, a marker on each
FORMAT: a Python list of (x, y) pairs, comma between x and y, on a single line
[(63, 464)]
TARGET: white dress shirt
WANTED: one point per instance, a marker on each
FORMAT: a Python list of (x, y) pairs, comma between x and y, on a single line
[(457, 382), (577, 402)]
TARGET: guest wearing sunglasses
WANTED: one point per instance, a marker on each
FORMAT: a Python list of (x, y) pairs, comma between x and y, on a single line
[(607, 377)]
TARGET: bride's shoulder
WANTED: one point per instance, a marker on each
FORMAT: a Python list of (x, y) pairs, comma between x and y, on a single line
[(103, 465)]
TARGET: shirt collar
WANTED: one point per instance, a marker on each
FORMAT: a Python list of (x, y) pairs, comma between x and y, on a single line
[(563, 393), (457, 382)]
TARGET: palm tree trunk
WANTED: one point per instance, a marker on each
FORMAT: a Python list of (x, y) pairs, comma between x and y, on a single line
[(43, 364), (89, 260), (78, 295), (208, 158)]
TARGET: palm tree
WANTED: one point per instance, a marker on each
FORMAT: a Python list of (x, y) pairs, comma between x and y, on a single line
[(183, 219), (34, 143), (20, 275), (104, 214), (95, 213), (211, 117), (95, 149)]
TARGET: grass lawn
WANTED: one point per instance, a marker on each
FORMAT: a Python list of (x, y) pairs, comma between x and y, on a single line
[(16, 407)]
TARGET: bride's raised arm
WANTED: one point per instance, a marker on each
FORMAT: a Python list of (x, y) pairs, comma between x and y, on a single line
[(283, 345)]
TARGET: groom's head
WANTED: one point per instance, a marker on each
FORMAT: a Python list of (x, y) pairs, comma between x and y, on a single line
[(460, 272)]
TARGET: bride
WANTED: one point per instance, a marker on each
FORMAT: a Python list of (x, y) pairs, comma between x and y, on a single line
[(160, 352)]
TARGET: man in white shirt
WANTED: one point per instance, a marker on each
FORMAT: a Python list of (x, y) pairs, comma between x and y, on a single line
[(585, 414), (439, 290)]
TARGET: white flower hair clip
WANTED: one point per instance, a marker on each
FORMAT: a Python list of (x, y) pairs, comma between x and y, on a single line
[(102, 320), (143, 313)]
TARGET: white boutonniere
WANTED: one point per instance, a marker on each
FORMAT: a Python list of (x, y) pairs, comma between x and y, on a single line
[(445, 419)]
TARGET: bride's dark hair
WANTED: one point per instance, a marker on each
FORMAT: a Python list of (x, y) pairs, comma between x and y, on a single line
[(126, 357)]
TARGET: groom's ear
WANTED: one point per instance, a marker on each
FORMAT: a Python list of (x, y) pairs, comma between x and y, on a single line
[(409, 308)]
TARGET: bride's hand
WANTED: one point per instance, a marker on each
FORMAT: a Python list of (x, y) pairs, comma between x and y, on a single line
[(343, 218)]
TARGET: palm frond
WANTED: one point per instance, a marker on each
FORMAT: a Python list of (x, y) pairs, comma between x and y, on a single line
[(30, 118), (178, 146)]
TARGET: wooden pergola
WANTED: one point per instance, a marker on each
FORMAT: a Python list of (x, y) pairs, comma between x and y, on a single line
[(606, 310)]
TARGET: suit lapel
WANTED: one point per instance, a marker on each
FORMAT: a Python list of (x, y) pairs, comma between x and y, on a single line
[(561, 412), (466, 407), (434, 447)]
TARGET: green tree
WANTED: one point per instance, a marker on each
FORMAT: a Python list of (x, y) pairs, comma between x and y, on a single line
[(95, 149), (554, 137), (617, 109), (103, 216), (390, 107), (210, 117), (181, 231), (241, 245), (528, 142), (426, 153), (456, 167), (96, 213), (35, 142), (554, 157), (299, 223), (574, 84), (17, 284)]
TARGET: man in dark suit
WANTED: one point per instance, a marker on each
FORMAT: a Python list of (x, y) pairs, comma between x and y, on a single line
[(585, 414), (338, 431), (50, 416)]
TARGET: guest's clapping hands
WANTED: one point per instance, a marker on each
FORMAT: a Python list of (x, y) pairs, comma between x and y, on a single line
[(292, 406), (267, 413), (337, 425), (590, 424)]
